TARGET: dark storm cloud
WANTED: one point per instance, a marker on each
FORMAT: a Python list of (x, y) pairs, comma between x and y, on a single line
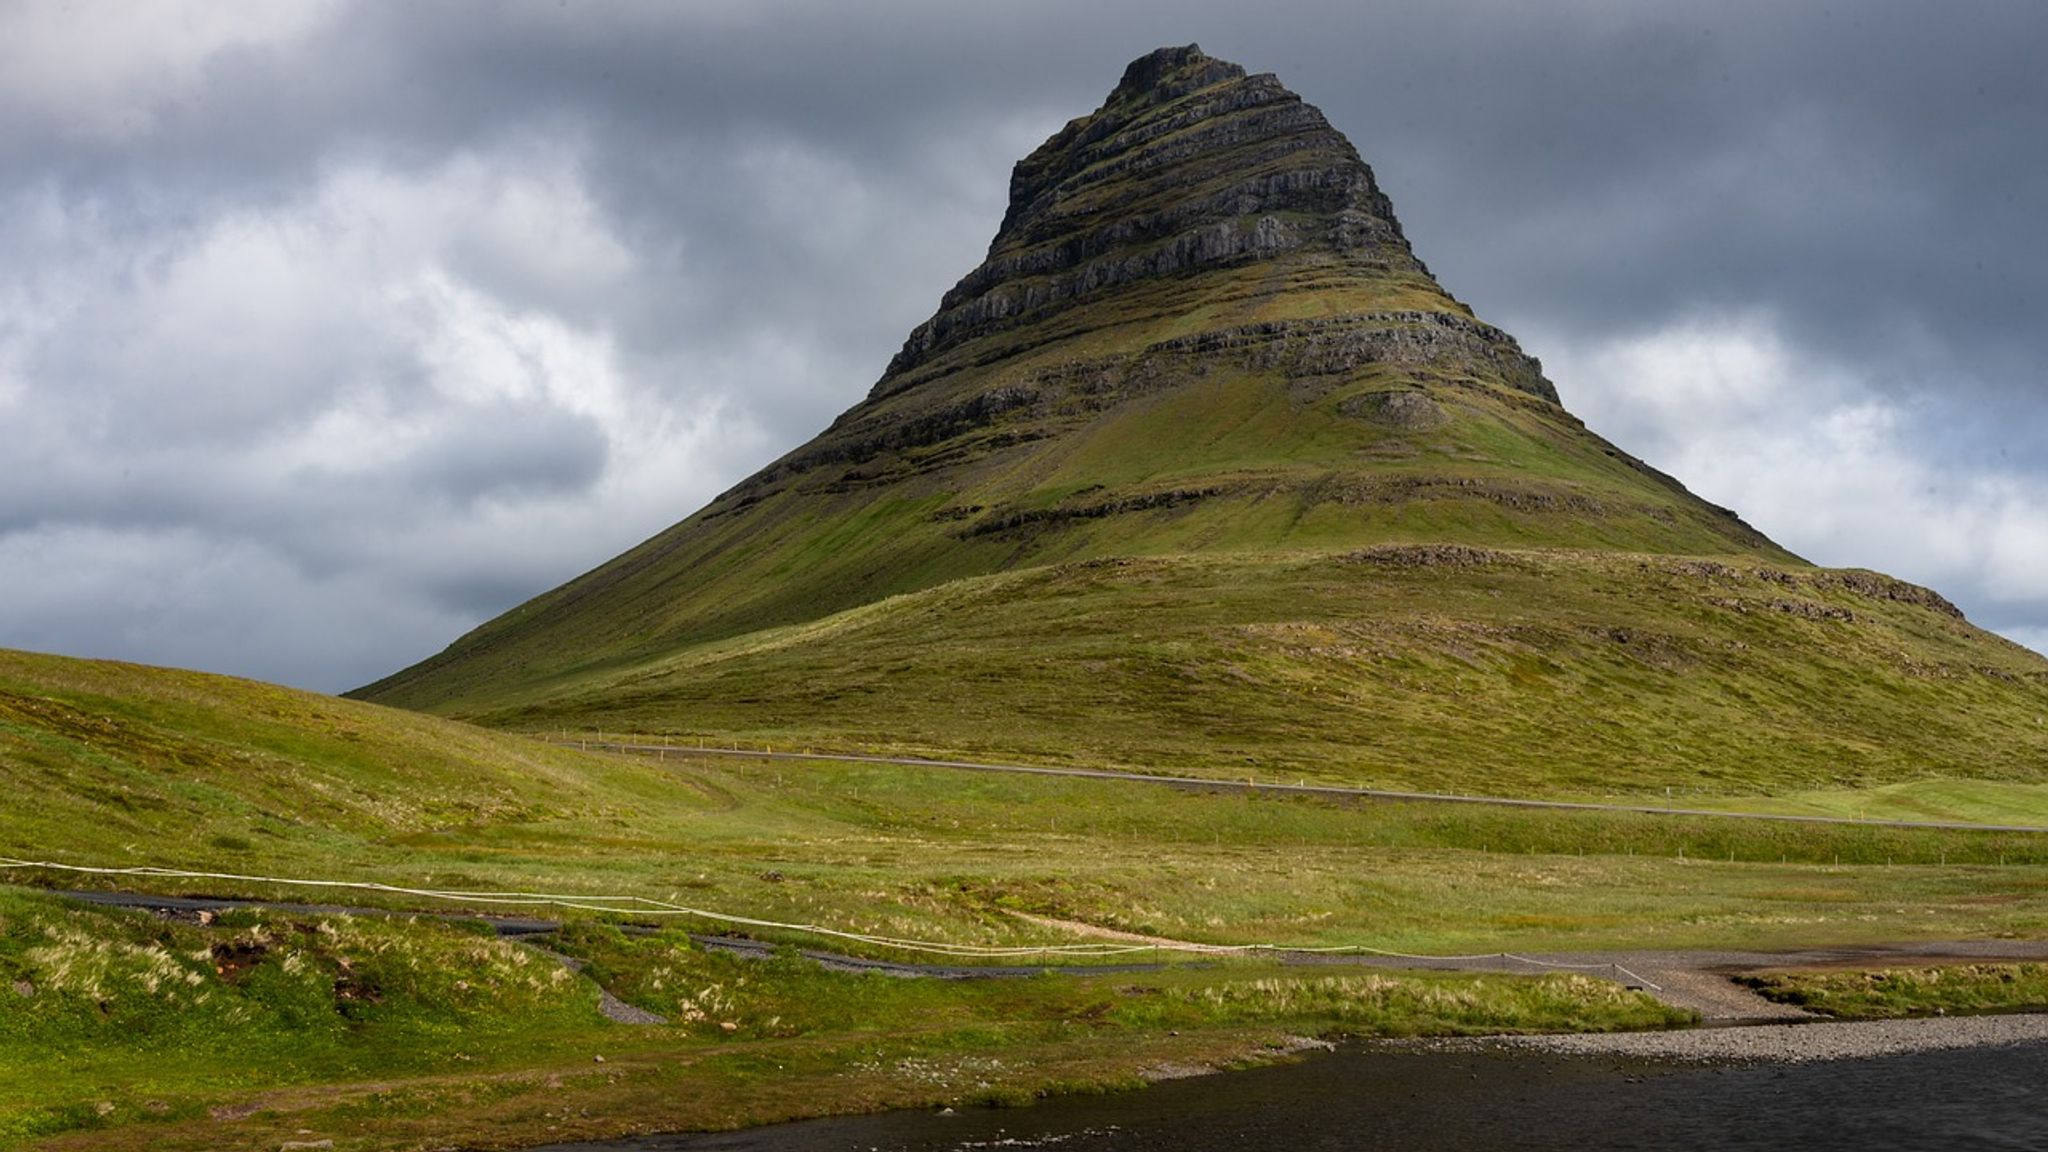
[(1861, 170), (363, 321)]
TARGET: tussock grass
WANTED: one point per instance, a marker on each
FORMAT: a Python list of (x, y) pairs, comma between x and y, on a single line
[(1379, 1004), (1889, 993), (113, 1017), (119, 1025), (704, 991)]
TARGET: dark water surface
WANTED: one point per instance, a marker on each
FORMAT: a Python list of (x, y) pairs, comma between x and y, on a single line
[(1457, 1101)]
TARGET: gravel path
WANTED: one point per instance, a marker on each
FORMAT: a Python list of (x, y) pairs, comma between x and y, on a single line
[(1782, 1043), (613, 1008), (1718, 999), (1701, 979)]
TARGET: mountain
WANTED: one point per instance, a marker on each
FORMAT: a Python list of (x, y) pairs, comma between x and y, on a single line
[(1202, 468)]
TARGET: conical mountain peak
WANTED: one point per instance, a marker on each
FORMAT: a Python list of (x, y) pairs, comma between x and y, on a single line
[(1198, 336), (1201, 470), (1190, 166)]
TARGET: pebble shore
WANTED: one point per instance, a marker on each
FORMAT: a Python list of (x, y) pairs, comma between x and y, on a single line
[(1783, 1043)]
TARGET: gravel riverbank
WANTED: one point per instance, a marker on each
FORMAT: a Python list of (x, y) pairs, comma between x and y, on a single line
[(1780, 1043)]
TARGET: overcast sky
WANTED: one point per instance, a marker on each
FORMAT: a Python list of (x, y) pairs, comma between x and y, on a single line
[(329, 330)]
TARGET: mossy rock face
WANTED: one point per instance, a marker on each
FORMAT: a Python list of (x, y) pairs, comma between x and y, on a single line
[(1201, 343), (1406, 411)]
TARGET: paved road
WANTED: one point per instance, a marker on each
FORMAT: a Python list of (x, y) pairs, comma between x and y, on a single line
[(1201, 784), (1693, 979)]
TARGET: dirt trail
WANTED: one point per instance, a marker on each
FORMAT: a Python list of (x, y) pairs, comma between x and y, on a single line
[(612, 1008)]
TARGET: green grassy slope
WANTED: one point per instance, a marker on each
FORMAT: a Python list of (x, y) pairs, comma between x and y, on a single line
[(1076, 398), (114, 763), (1233, 462), (123, 1031), (1274, 504), (110, 764), (1504, 672)]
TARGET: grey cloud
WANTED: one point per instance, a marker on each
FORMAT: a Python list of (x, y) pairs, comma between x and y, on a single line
[(509, 452), (198, 600), (584, 264)]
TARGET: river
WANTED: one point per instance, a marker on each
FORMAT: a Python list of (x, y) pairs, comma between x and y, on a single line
[(1370, 1097)]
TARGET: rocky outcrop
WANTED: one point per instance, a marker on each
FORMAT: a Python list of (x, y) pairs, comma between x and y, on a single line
[(1877, 586), (1444, 343), (1344, 344), (1423, 556), (1405, 410), (1031, 517)]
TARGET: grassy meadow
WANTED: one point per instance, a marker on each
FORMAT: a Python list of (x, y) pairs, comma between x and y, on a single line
[(117, 765), (123, 1030)]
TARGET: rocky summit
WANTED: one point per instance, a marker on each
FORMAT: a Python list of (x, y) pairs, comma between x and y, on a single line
[(1193, 165), (1201, 467)]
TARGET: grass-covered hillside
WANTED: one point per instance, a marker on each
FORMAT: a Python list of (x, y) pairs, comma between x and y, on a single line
[(1521, 673), (1202, 471), (121, 763), (1233, 463), (1199, 333), (123, 1030)]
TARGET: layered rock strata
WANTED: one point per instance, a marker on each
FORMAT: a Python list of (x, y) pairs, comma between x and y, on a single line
[(1190, 165)]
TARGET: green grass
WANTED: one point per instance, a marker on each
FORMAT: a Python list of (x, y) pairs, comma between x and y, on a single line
[(1940, 799), (116, 764), (115, 1020), (132, 763), (120, 765), (1519, 673), (1944, 990), (886, 502), (114, 1017), (703, 991)]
